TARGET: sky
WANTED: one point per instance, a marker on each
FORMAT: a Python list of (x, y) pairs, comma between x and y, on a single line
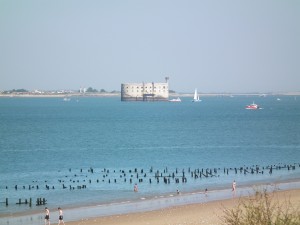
[(215, 46)]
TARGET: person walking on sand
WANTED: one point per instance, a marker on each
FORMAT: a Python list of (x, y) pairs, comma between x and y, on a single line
[(47, 216), (60, 216)]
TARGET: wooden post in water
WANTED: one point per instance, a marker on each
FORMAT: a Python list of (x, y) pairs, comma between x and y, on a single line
[(38, 201), (6, 201)]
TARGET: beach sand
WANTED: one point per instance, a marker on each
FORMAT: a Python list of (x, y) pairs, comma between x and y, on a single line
[(194, 214)]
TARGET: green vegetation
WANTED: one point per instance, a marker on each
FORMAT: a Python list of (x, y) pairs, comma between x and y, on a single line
[(91, 90), (16, 91), (262, 209)]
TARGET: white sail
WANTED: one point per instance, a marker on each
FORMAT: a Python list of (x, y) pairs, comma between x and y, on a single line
[(196, 96)]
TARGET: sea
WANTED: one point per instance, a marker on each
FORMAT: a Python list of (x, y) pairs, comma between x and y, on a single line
[(86, 154)]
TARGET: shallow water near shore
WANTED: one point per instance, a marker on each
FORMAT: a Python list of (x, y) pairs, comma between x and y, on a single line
[(91, 151), (143, 205)]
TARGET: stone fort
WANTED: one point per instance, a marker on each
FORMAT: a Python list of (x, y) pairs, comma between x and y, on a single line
[(145, 91)]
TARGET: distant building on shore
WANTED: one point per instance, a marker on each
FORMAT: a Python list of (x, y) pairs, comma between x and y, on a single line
[(145, 91)]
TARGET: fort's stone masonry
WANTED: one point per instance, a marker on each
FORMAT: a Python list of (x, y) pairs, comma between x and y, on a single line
[(145, 91)]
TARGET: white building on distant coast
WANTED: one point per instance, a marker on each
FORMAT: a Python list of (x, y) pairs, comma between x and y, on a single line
[(82, 90), (145, 91)]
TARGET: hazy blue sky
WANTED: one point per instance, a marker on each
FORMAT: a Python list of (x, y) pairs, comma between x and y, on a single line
[(215, 46)]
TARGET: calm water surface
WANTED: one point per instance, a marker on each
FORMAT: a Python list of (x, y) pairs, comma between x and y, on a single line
[(49, 148)]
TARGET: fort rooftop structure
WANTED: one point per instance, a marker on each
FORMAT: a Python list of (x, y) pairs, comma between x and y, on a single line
[(145, 91)]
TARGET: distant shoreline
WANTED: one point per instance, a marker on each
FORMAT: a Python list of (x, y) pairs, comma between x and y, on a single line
[(30, 95), (117, 94)]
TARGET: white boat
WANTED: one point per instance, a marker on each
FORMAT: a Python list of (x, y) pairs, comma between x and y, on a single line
[(66, 99), (175, 100), (196, 97)]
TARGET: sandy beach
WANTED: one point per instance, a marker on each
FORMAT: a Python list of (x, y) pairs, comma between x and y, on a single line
[(209, 213)]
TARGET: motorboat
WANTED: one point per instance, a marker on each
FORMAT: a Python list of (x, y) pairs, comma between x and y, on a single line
[(252, 106), (175, 100), (66, 99)]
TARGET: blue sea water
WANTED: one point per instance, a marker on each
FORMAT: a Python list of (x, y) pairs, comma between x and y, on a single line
[(91, 151)]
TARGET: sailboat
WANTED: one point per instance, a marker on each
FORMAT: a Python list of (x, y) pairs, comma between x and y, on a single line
[(196, 96)]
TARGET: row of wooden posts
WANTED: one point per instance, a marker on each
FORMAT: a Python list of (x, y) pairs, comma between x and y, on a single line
[(39, 201)]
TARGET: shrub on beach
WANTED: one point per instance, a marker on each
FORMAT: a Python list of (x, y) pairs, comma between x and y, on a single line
[(262, 209)]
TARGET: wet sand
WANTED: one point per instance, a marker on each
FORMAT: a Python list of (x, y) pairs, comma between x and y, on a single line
[(206, 213)]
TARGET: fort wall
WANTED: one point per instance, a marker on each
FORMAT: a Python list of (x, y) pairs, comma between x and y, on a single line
[(145, 91)]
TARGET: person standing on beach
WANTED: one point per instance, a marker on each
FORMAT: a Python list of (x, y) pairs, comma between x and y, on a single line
[(234, 187), (60, 216), (47, 216)]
